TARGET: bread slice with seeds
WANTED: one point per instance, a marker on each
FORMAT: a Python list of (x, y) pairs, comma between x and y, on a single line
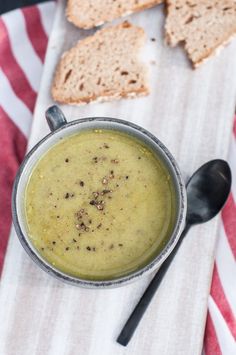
[(102, 67), (91, 13), (204, 26)]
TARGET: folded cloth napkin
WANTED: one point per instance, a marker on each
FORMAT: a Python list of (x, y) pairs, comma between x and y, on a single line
[(23, 41)]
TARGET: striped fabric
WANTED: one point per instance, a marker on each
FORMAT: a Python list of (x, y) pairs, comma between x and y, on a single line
[(23, 40)]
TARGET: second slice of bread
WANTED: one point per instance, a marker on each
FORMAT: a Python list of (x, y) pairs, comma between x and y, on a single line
[(203, 26), (102, 67)]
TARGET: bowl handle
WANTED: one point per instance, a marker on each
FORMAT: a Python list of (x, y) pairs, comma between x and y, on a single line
[(55, 118)]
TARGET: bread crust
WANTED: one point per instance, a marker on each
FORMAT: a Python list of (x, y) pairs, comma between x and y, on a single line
[(103, 98)]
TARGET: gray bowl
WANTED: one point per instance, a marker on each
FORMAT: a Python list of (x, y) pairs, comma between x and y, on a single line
[(61, 128)]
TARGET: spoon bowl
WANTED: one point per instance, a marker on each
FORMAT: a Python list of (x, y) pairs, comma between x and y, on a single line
[(207, 191)]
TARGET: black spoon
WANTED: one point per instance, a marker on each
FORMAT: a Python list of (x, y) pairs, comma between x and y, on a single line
[(207, 192)]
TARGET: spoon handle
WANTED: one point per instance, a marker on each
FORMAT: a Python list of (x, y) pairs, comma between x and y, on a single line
[(138, 312)]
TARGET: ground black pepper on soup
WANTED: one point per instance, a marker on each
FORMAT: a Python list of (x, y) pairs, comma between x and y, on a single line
[(99, 204)]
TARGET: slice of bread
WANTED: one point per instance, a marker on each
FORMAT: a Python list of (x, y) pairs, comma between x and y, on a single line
[(91, 13), (102, 67), (203, 26)]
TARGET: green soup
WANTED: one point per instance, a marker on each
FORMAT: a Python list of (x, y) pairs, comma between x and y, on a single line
[(99, 204)]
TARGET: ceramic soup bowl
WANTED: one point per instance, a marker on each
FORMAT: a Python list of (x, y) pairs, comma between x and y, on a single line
[(86, 245)]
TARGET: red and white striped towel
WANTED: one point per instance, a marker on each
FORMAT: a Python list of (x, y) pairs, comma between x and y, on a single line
[(23, 41)]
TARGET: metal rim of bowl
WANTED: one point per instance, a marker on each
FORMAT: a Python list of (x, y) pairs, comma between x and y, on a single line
[(47, 267)]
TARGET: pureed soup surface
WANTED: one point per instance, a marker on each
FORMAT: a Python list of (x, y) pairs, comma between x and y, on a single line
[(99, 204)]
